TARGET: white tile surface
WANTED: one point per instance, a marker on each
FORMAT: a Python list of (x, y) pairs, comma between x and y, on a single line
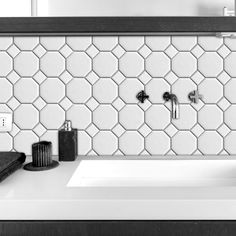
[(131, 64), (94, 82)]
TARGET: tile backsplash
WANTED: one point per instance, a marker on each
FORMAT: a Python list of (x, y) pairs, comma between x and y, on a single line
[(93, 81)]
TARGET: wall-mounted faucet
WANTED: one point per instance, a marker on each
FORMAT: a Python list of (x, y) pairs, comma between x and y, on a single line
[(174, 104)]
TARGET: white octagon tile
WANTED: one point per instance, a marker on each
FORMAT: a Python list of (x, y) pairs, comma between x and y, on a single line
[(158, 117), (129, 89), (210, 117), (105, 91), (52, 116), (24, 140), (26, 43), (105, 143), (26, 116), (210, 64), (230, 143), (52, 43), (131, 64), (80, 116), (52, 90), (184, 43), (184, 143), (188, 118), (182, 87), (105, 43), (211, 90), (52, 64), (26, 90), (131, 117), (210, 143), (6, 64), (26, 64), (230, 64), (79, 90), (5, 42), (131, 43), (79, 64), (6, 142), (105, 64), (5, 90), (184, 64), (80, 43), (209, 43), (159, 43), (131, 143), (158, 64), (230, 117), (157, 143), (105, 117), (230, 93)]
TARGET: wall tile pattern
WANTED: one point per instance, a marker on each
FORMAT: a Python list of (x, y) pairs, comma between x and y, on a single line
[(93, 81)]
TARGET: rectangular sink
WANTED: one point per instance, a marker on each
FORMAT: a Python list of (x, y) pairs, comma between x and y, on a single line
[(154, 173)]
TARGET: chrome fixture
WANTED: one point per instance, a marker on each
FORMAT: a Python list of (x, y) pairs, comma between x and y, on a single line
[(142, 96), (194, 96), (174, 104)]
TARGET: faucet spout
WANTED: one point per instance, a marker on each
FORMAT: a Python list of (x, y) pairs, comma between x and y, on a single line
[(174, 104)]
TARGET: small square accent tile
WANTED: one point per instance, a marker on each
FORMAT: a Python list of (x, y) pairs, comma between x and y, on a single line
[(66, 51), (39, 77), (13, 103), (197, 130), (118, 51), (39, 130), (171, 51), (171, 130), (145, 77), (197, 51), (39, 51), (145, 130), (92, 77), (223, 104), (92, 51), (66, 77), (13, 51), (224, 77), (92, 104), (40, 103), (118, 104), (145, 51), (13, 77), (223, 130), (171, 78), (66, 103), (92, 130), (224, 51), (118, 130)]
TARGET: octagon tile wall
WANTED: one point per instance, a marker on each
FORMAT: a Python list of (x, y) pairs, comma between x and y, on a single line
[(93, 81)]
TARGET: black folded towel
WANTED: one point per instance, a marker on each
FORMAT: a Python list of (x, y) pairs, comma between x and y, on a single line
[(10, 162)]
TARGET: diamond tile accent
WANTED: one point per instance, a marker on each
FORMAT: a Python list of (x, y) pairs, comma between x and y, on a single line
[(93, 81)]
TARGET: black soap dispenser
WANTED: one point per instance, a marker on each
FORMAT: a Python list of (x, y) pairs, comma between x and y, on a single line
[(68, 138)]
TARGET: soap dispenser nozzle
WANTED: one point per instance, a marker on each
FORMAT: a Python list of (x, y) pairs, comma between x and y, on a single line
[(67, 125)]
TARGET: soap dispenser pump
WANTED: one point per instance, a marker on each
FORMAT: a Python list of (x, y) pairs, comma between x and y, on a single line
[(68, 138)]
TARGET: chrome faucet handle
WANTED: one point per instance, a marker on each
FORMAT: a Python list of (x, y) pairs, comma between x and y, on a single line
[(194, 96)]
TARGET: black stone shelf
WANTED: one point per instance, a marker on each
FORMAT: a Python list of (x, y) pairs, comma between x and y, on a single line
[(115, 25)]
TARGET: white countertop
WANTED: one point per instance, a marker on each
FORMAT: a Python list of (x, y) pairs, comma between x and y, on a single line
[(44, 195)]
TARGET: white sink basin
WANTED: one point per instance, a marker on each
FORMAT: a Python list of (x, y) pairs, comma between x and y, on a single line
[(154, 173)]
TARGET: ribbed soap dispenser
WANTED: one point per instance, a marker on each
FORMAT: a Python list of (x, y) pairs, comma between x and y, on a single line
[(68, 148)]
